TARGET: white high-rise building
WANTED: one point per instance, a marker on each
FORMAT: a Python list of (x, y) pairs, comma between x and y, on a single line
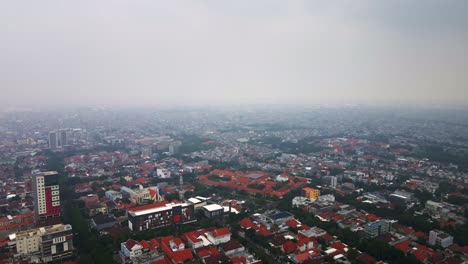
[(46, 198), (333, 181)]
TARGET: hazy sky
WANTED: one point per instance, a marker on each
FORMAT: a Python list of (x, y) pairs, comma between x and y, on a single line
[(151, 52)]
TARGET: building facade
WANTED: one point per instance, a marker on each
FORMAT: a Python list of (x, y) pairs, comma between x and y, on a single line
[(46, 194), (160, 214), (142, 195), (377, 228), (439, 238), (310, 193), (333, 181), (213, 210), (63, 139), (49, 244), (53, 140)]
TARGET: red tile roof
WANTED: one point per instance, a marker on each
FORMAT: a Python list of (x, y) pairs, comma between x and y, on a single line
[(403, 246), (293, 223), (419, 254), (221, 232), (181, 255), (289, 247), (130, 244)]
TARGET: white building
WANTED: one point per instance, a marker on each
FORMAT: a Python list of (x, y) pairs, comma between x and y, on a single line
[(218, 236), (439, 238), (49, 244), (299, 201), (326, 198), (163, 173), (130, 250), (333, 181), (142, 195)]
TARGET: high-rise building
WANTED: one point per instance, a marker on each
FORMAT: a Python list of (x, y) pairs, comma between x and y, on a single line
[(45, 244), (53, 140), (333, 181), (63, 140), (46, 198)]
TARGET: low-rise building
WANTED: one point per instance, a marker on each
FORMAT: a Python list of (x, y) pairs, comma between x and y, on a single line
[(113, 195), (49, 244), (440, 238), (130, 250), (213, 210), (377, 228), (101, 222), (160, 214), (218, 236), (142, 195)]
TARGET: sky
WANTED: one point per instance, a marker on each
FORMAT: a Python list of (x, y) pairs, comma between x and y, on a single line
[(151, 53)]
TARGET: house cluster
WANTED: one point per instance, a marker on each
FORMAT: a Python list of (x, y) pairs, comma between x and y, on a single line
[(299, 242), (209, 246)]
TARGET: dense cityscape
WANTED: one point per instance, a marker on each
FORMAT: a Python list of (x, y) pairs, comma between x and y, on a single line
[(234, 132), (257, 185)]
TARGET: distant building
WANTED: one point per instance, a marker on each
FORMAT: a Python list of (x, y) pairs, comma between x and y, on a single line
[(142, 195), (440, 238), (174, 146), (300, 201), (113, 195), (63, 140), (163, 173), (433, 207), (333, 181), (146, 152), (377, 228), (160, 214), (401, 198), (50, 243), (46, 196), (53, 140), (326, 198), (310, 193)]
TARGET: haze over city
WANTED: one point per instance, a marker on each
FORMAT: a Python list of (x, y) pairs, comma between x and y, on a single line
[(153, 53), (238, 132)]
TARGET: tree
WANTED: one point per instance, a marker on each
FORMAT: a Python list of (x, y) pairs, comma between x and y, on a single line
[(172, 196)]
